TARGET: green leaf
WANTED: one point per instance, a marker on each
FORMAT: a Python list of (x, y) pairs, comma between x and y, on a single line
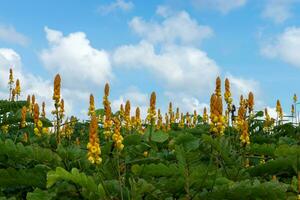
[(159, 136)]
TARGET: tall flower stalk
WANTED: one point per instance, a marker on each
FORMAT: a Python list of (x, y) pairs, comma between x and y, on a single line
[(58, 104)]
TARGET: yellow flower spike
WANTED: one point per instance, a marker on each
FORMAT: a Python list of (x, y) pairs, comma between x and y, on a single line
[(138, 121), (28, 99), (23, 117), (250, 102), (177, 115), (117, 137), (167, 122), (269, 122), (159, 120), (92, 105), (195, 118), (295, 98), (18, 88), (245, 134), (93, 145), (32, 101), (43, 114), (227, 94), (205, 116), (36, 114), (279, 110), (11, 76), (217, 125), (152, 110), (122, 112), (181, 123), (4, 128), (218, 86), (57, 85), (188, 120), (13, 94), (107, 125), (106, 89), (127, 116)]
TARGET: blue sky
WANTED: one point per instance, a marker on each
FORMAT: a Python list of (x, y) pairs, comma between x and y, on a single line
[(173, 47)]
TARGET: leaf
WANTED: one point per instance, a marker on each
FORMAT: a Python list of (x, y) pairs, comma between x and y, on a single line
[(92, 190), (39, 194), (159, 136), (132, 139)]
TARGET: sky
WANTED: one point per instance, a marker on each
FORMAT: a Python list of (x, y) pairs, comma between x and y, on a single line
[(176, 48)]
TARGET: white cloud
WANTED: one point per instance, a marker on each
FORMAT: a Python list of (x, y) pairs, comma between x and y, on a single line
[(278, 10), (75, 59), (9, 34), (178, 27), (122, 5), (33, 84), (179, 67), (223, 6), (136, 98), (284, 47)]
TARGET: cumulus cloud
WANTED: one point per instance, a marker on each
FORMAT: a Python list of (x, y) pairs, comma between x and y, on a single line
[(136, 98), (122, 5), (33, 84), (9, 34), (181, 68), (223, 6), (284, 46), (176, 28), (278, 10), (75, 59)]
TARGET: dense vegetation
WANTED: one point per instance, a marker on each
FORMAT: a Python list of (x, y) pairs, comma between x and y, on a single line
[(219, 155)]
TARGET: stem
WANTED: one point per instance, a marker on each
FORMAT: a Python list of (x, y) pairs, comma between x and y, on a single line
[(119, 174)]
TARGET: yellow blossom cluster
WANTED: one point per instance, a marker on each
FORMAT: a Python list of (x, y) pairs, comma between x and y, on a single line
[(159, 120), (152, 110), (92, 105), (138, 121), (181, 122), (245, 133), (205, 115), (93, 145), (127, 116), (217, 120), (117, 137), (250, 103), (23, 117), (269, 122), (107, 125), (279, 110), (227, 96)]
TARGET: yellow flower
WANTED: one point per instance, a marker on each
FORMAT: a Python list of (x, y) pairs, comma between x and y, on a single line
[(218, 87), (250, 102), (127, 116), (117, 137), (217, 125), (11, 76), (45, 130), (4, 128), (107, 111), (43, 110), (145, 153), (93, 146), (18, 88), (245, 134), (295, 98), (37, 132), (40, 124), (23, 117), (92, 105), (152, 110), (56, 94), (36, 113)]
